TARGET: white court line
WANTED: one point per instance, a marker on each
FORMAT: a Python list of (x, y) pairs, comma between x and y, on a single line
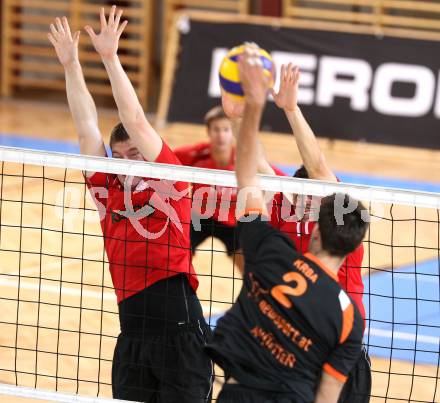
[(421, 277), (30, 393), (403, 336), (28, 271), (66, 290), (56, 289), (110, 296)]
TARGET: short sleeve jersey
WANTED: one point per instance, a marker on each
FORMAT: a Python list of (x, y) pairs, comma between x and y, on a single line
[(216, 202), (290, 322), (350, 273), (146, 230), (194, 153)]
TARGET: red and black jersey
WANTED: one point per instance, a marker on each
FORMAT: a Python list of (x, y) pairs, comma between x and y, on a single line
[(350, 273), (291, 321), (146, 230)]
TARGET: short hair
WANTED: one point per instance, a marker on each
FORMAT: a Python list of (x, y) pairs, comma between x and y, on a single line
[(340, 240), (301, 172), (118, 134), (214, 114)]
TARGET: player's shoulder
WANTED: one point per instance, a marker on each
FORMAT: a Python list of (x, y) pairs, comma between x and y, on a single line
[(352, 325), (358, 253), (101, 179), (315, 263), (206, 162), (192, 154), (256, 232)]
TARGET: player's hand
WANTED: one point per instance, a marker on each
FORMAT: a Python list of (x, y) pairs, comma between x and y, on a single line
[(65, 45), (233, 109), (254, 82), (107, 41), (287, 96)]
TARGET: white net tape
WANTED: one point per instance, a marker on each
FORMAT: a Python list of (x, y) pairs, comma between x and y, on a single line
[(38, 394), (372, 194)]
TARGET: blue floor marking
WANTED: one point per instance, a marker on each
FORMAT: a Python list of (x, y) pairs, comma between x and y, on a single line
[(65, 146), (390, 298), (416, 337), (409, 297), (372, 180)]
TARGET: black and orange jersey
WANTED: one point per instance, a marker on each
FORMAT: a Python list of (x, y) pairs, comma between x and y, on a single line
[(291, 321)]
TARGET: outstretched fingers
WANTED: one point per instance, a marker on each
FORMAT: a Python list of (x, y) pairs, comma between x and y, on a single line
[(102, 18), (295, 75), (59, 26), (76, 36), (54, 32), (118, 19), (66, 27), (122, 27), (52, 40), (111, 16), (90, 31)]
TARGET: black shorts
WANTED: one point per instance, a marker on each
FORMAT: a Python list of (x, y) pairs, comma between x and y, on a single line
[(164, 368), (358, 386), (233, 393), (159, 354), (209, 227)]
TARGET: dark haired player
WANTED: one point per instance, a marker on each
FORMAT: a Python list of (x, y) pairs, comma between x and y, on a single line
[(293, 334), (358, 386), (159, 354)]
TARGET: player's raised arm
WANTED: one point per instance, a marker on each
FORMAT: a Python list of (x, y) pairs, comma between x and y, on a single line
[(130, 110), (234, 111), (255, 86), (81, 104), (286, 99), (329, 389)]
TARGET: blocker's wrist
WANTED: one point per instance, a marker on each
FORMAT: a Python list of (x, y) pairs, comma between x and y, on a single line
[(72, 65)]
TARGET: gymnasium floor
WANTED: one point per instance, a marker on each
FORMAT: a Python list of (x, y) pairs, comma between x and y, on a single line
[(48, 126)]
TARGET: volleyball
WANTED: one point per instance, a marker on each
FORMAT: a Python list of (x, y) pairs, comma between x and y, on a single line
[(229, 75)]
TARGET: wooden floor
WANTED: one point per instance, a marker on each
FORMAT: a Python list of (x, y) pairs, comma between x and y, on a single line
[(65, 331)]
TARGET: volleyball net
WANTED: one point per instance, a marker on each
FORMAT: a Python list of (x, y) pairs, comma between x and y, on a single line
[(58, 310)]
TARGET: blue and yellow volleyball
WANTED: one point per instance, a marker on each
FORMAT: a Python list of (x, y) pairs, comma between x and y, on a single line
[(229, 75)]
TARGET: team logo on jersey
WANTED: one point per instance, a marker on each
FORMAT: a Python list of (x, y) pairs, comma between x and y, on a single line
[(138, 212), (163, 194)]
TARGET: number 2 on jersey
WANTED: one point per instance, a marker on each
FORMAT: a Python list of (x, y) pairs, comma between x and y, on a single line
[(280, 292)]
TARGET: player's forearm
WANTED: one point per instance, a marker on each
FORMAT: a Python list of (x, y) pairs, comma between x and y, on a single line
[(130, 110), (83, 110), (322, 397), (247, 146), (329, 389), (311, 154), (263, 165)]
